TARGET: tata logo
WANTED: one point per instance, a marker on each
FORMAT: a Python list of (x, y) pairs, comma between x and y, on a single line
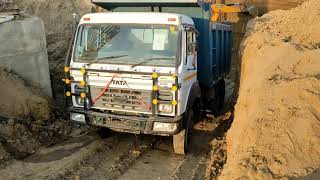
[(119, 82)]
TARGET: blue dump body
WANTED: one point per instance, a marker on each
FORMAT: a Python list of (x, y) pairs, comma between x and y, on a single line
[(214, 40)]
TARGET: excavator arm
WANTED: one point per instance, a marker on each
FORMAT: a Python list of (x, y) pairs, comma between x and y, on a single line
[(218, 9)]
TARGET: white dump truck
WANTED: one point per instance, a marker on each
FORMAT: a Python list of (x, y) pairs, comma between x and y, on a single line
[(148, 67)]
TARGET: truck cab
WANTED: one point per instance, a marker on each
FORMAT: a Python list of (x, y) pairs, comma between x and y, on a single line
[(137, 72)]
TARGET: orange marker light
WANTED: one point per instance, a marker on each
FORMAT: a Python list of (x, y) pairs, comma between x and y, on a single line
[(68, 94), (67, 81), (82, 83), (174, 102), (83, 95), (174, 88), (155, 88), (155, 101), (154, 75), (66, 69)]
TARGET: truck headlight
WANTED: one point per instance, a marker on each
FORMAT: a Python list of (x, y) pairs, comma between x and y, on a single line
[(80, 118), (166, 108), (78, 100), (164, 127)]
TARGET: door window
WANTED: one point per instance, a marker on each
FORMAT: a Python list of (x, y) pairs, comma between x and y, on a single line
[(191, 49)]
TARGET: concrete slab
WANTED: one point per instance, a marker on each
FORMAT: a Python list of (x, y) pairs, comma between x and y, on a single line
[(23, 50)]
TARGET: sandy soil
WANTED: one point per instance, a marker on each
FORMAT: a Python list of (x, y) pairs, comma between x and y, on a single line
[(20, 101), (275, 134)]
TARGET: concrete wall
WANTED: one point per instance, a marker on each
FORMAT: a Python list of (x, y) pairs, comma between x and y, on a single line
[(23, 51)]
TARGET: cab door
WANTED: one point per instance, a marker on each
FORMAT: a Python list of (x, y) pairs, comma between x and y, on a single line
[(191, 56), (188, 75)]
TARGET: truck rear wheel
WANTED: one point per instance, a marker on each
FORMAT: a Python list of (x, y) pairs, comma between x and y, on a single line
[(181, 140)]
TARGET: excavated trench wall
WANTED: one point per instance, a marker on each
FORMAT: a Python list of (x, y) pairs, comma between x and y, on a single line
[(264, 6), (23, 51), (240, 20), (275, 133)]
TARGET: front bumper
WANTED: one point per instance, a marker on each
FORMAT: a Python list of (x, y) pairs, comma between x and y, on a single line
[(129, 124)]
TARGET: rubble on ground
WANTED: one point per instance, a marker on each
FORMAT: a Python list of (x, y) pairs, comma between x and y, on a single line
[(27, 122), (275, 134)]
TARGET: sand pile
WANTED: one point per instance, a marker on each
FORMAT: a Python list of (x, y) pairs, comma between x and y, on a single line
[(276, 130), (19, 101)]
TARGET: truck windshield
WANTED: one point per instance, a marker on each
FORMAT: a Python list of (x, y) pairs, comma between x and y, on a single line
[(153, 45)]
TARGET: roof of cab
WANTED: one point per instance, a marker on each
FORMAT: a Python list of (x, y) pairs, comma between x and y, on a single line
[(136, 18)]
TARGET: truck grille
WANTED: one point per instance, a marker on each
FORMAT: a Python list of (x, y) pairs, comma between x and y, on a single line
[(123, 99)]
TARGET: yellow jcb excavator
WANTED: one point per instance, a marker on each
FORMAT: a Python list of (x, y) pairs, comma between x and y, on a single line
[(218, 9)]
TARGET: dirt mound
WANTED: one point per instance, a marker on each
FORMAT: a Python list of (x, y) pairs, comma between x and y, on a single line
[(20, 138), (275, 133), (20, 101), (16, 139)]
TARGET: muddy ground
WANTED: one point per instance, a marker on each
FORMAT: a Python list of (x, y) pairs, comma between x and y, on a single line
[(122, 156)]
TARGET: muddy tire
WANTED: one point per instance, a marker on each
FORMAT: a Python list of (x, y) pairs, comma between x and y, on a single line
[(181, 140)]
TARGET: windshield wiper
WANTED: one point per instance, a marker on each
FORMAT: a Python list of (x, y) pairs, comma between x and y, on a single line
[(145, 60), (105, 58)]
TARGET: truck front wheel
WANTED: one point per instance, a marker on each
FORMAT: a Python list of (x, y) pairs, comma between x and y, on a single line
[(181, 140)]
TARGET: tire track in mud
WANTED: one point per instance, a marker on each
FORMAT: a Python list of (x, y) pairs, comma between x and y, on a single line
[(127, 156), (205, 160), (118, 153), (85, 157), (208, 153)]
